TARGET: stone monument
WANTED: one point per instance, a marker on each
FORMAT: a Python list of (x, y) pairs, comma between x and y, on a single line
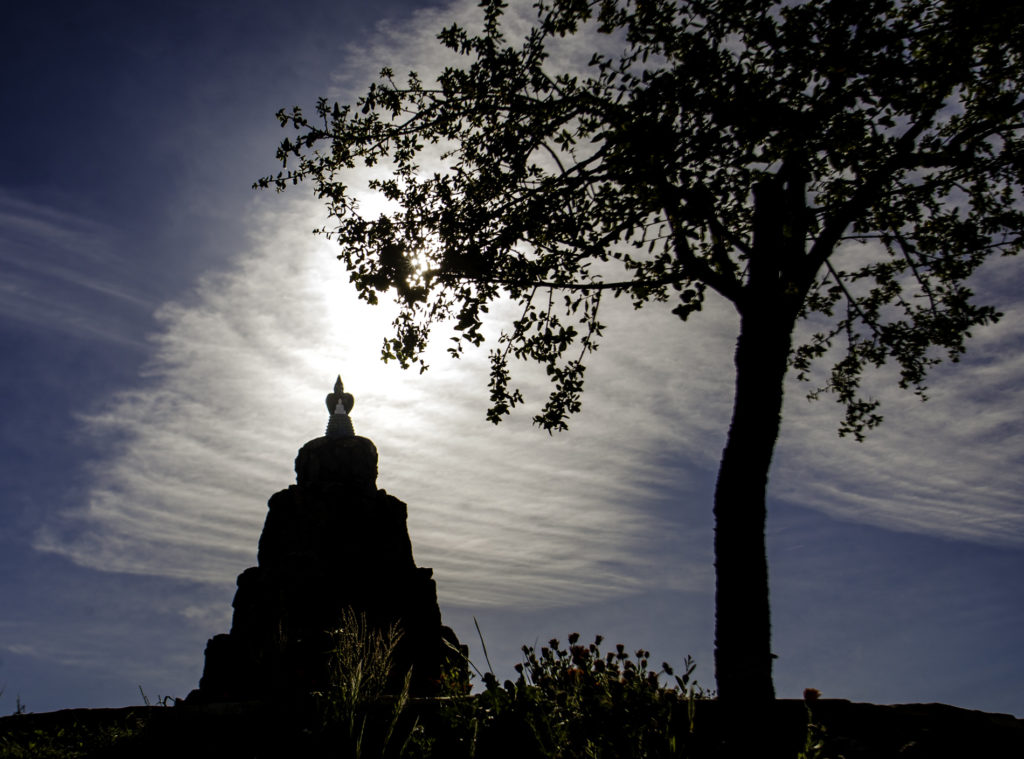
[(332, 543)]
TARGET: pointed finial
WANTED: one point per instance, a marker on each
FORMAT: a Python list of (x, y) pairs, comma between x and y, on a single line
[(339, 404)]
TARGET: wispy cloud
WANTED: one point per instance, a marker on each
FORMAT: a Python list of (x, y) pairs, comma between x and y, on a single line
[(236, 386), (950, 466), (112, 631), (61, 272), (506, 516), (509, 515)]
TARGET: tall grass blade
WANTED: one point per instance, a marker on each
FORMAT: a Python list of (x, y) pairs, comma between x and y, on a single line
[(483, 645)]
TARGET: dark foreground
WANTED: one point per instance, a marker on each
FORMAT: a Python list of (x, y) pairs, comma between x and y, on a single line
[(252, 730)]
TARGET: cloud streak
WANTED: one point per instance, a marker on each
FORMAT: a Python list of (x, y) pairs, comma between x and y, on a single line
[(235, 386), (950, 466), (506, 516), (60, 273)]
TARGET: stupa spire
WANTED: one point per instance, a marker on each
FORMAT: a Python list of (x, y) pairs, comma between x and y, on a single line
[(339, 404)]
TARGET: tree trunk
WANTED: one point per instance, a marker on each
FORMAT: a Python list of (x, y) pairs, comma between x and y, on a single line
[(743, 658)]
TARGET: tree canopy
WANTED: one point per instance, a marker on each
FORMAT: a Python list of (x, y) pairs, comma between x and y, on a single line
[(847, 163)]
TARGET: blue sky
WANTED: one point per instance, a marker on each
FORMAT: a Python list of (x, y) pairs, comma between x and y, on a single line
[(168, 336)]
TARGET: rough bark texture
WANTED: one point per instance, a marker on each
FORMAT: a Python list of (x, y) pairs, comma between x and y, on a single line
[(743, 658), (330, 543)]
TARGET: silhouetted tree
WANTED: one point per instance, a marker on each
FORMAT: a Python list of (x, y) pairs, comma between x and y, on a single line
[(848, 162)]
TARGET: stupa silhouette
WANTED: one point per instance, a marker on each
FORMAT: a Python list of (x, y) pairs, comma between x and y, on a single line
[(332, 544)]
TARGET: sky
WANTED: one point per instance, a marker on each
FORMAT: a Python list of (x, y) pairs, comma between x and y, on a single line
[(168, 336)]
